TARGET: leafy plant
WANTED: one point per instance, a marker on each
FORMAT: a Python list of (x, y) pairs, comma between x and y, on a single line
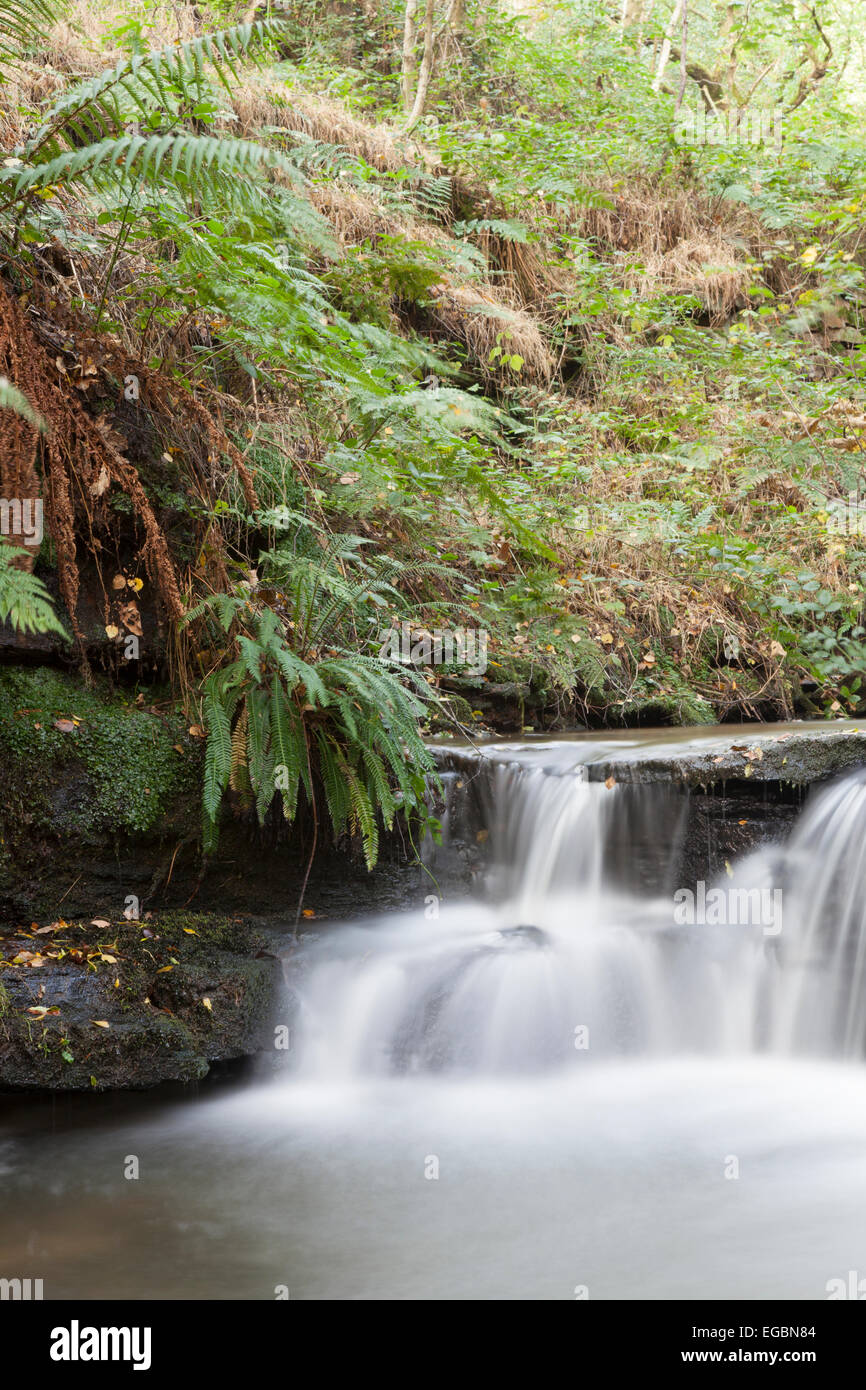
[(24, 600), (299, 709)]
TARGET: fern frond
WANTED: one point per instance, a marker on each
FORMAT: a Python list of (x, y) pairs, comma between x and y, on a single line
[(92, 106), (23, 25), (190, 160), (13, 399), (24, 600)]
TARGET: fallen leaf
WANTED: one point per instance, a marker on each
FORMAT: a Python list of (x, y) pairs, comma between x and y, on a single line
[(101, 922), (131, 618), (610, 782), (482, 836), (65, 726), (100, 1023), (111, 631), (208, 1005)]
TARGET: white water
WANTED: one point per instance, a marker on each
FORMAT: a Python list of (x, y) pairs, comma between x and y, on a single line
[(439, 1135), (568, 969)]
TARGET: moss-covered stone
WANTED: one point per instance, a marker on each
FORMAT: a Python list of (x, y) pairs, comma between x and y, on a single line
[(85, 759)]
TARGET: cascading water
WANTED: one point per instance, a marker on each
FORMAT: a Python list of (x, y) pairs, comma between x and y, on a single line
[(554, 1085), (563, 964)]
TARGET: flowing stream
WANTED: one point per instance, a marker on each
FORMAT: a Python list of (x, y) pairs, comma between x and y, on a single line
[(586, 1080)]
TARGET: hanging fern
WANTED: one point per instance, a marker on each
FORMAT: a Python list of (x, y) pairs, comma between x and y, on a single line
[(24, 600), (282, 718)]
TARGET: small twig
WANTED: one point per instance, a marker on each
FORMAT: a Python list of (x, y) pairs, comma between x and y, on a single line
[(70, 888)]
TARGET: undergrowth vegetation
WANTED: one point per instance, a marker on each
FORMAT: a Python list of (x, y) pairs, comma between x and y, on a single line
[(303, 336)]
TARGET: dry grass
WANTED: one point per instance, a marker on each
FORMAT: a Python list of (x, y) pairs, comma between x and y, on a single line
[(677, 243), (257, 102), (358, 216), (706, 269), (476, 316)]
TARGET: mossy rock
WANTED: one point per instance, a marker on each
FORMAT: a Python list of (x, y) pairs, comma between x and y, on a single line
[(85, 760)]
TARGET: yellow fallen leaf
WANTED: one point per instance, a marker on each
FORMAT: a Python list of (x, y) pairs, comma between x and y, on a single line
[(163, 968), (190, 931), (208, 1005), (111, 631), (137, 585), (111, 960), (100, 1023), (100, 922)]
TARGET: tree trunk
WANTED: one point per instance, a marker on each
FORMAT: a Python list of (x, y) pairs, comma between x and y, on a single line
[(425, 72), (666, 46), (409, 67)]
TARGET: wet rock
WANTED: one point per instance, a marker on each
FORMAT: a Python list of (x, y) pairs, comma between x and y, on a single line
[(93, 1007), (795, 759)]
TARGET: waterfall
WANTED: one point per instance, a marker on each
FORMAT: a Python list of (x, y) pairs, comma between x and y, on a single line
[(823, 996), (592, 1071), (569, 957)]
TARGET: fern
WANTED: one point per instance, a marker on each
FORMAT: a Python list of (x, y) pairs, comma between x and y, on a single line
[(24, 600), (282, 719), (93, 106), (189, 160), (23, 23), (13, 399)]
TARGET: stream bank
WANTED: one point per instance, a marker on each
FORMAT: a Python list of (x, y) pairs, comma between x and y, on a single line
[(114, 932)]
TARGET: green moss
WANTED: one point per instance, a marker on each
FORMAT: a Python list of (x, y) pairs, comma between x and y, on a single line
[(117, 769), (5, 1004)]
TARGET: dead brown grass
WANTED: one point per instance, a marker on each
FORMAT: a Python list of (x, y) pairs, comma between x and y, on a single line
[(705, 268)]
